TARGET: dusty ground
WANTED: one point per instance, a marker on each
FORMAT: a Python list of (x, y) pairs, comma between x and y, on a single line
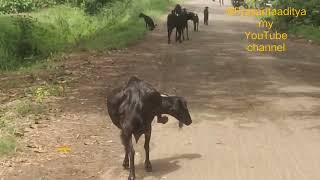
[(256, 116)]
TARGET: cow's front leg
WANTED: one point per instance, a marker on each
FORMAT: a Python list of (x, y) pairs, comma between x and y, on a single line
[(147, 163), (125, 163)]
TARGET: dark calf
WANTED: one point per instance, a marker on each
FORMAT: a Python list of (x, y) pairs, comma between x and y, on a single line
[(206, 15), (194, 18), (195, 22), (132, 109), (149, 22), (185, 16)]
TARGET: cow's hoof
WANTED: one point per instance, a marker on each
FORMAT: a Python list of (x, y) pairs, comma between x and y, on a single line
[(125, 164), (131, 178), (148, 167)]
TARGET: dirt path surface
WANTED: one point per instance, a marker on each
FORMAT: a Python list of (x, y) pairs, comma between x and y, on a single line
[(256, 116)]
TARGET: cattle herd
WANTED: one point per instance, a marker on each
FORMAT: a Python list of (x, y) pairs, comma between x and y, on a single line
[(178, 19), (133, 107)]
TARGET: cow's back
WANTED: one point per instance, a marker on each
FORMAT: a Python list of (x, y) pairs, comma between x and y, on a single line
[(137, 97), (114, 100)]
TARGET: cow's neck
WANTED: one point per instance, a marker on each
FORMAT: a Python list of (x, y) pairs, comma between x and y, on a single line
[(166, 106)]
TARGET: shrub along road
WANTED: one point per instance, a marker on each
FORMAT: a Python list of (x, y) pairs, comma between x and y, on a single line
[(255, 115)]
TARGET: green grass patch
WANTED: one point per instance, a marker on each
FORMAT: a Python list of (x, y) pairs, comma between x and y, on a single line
[(7, 145), (7, 140), (42, 92), (25, 108)]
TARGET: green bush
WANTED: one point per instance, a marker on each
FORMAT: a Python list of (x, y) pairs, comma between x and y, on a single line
[(19, 6), (16, 6)]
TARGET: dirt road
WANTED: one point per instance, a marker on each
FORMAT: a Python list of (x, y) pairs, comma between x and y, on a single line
[(256, 116)]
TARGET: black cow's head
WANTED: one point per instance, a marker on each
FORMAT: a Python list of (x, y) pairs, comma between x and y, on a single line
[(178, 108), (141, 15)]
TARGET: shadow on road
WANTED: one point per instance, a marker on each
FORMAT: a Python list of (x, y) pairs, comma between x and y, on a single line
[(164, 166)]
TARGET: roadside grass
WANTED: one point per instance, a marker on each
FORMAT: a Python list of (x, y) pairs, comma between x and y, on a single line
[(19, 113), (25, 108), (126, 26), (306, 31), (7, 145), (297, 29), (7, 139)]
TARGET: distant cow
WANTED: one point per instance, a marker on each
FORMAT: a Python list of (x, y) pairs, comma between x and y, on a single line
[(186, 17), (133, 108), (196, 22), (149, 22), (177, 19), (194, 18), (206, 15), (173, 21)]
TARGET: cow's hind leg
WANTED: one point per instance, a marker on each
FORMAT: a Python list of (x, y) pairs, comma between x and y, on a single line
[(169, 35), (182, 32), (125, 163), (187, 29), (127, 142), (177, 31), (147, 163)]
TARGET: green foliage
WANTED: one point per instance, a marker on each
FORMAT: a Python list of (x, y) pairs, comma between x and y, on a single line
[(313, 13), (94, 6), (306, 31), (24, 46), (16, 6), (20, 6), (303, 26)]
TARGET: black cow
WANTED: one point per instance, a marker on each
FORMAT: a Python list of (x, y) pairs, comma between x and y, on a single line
[(133, 108), (206, 15), (194, 18), (196, 22), (186, 17), (149, 22), (174, 21)]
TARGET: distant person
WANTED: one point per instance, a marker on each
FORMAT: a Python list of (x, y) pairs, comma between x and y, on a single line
[(221, 2), (206, 15)]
